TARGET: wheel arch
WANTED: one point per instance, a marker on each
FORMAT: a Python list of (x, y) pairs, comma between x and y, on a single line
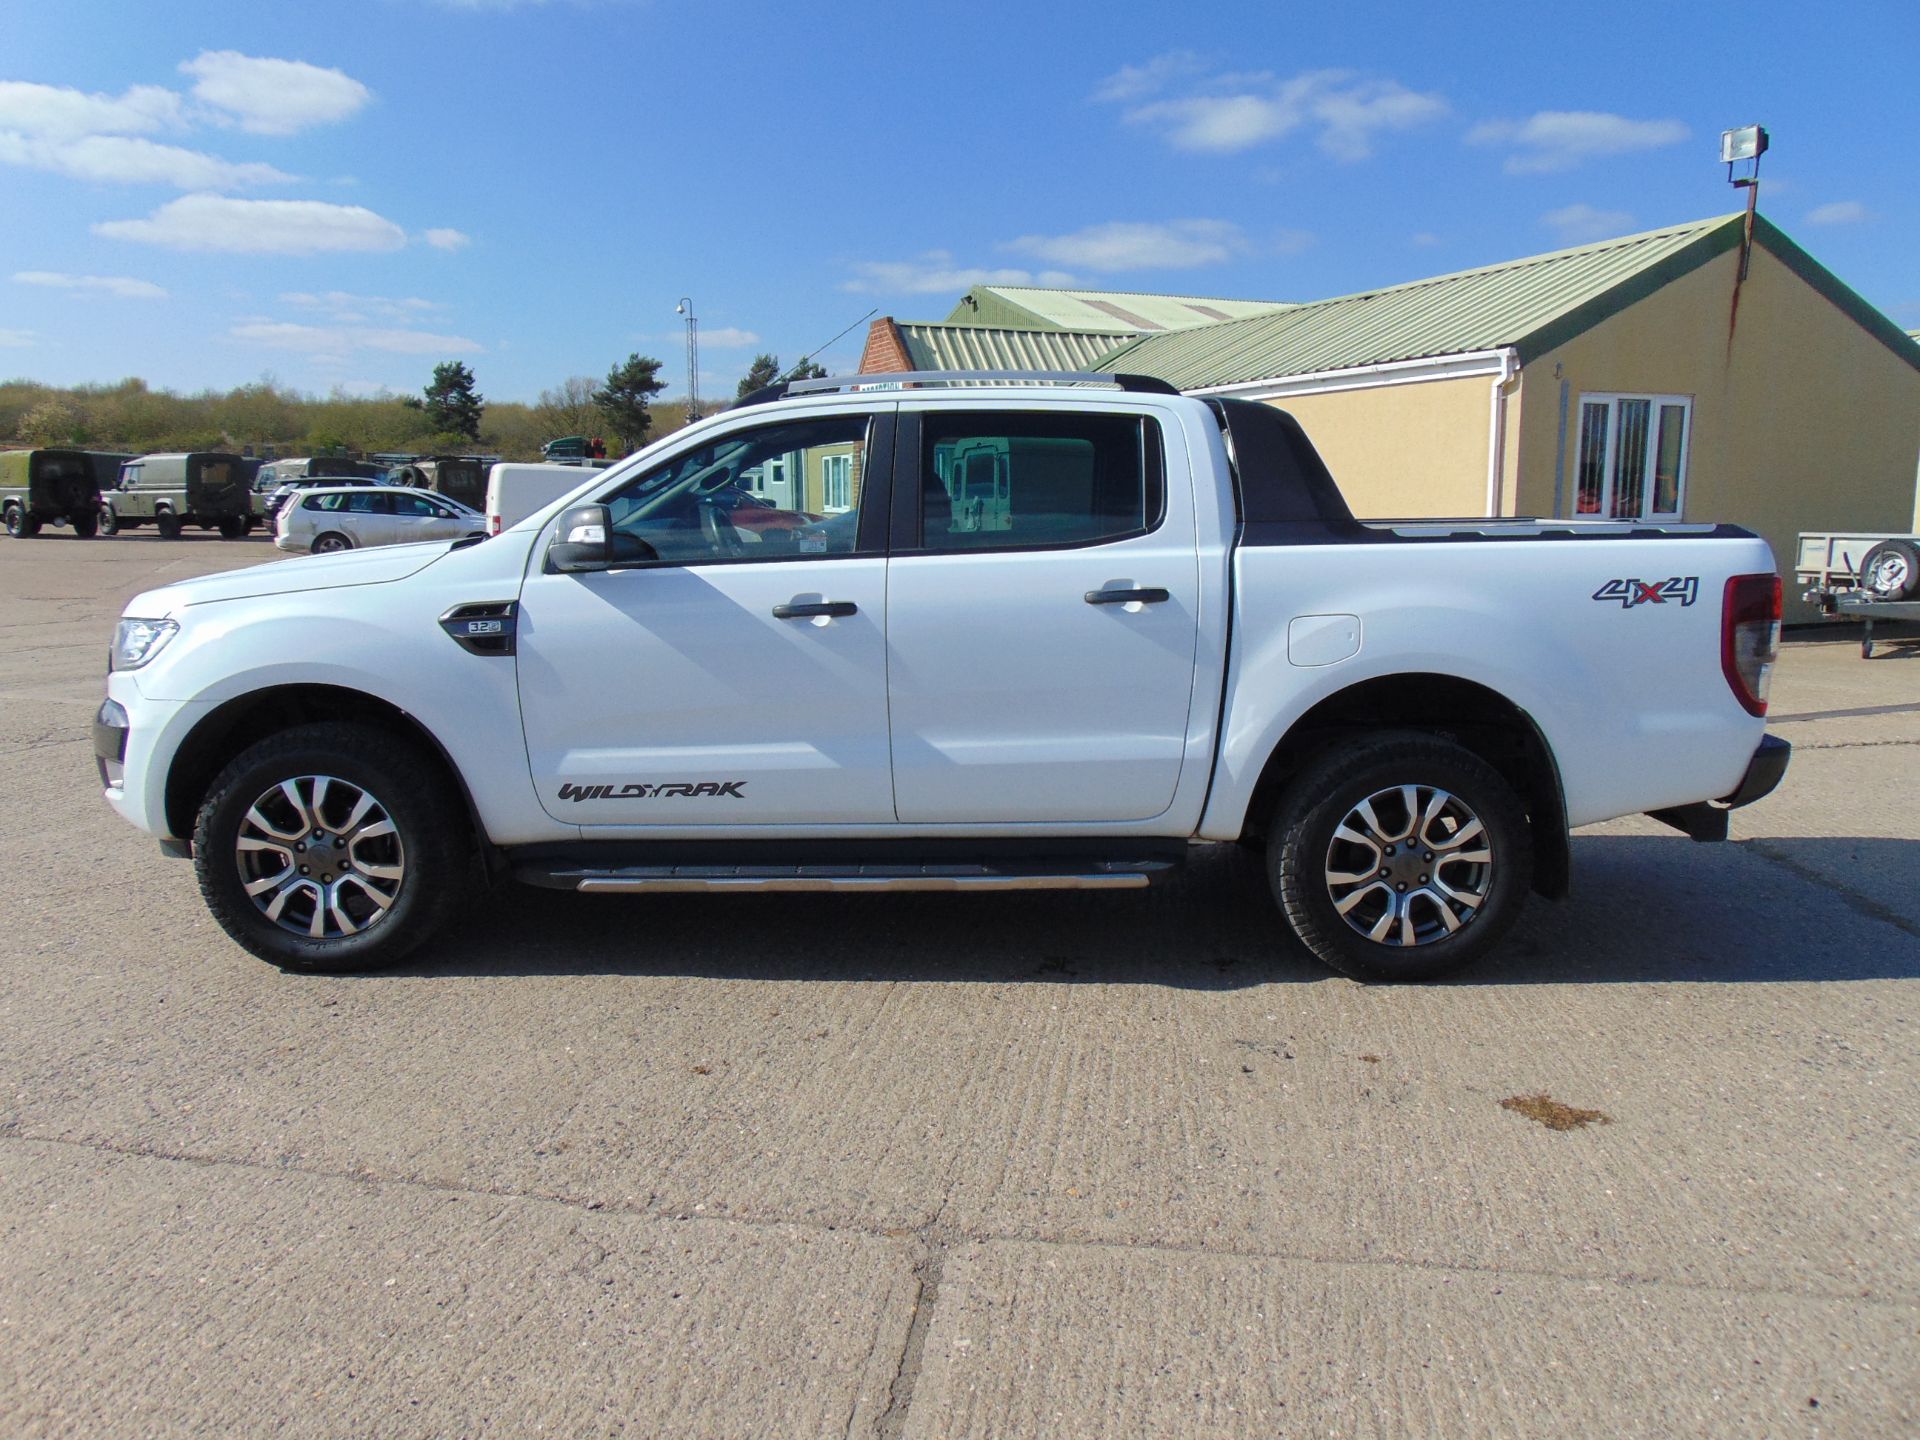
[(237, 723), (1464, 711)]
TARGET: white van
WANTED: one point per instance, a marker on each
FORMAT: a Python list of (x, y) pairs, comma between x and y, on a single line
[(516, 491)]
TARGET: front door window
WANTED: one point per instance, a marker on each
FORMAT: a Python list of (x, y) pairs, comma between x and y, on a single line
[(738, 497)]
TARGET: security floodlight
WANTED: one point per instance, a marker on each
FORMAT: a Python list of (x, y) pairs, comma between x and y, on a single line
[(1744, 145), (1748, 142)]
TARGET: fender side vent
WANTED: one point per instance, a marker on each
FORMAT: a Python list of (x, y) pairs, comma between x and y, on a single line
[(484, 627)]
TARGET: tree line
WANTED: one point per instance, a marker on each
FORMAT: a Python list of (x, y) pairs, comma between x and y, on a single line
[(449, 415)]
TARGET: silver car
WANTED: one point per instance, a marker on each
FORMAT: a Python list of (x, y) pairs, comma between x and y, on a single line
[(350, 517)]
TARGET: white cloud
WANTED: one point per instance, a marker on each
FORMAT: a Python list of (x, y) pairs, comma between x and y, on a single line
[(56, 112), (258, 227), (726, 337), (935, 271), (1138, 245), (1131, 82), (119, 286), (1577, 224), (16, 339), (1561, 139), (1423, 239), (344, 339), (273, 97), (1346, 112), (126, 160), (1839, 212), (447, 239), (345, 308)]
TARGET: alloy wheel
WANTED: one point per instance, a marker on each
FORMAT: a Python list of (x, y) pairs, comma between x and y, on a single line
[(320, 857), (1409, 865)]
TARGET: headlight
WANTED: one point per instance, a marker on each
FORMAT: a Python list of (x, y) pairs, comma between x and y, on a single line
[(136, 642)]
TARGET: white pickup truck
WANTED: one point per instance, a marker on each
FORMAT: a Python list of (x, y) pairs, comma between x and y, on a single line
[(965, 633)]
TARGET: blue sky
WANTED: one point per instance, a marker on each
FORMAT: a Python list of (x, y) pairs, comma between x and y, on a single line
[(206, 191)]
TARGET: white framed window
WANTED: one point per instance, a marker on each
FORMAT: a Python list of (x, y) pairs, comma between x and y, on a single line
[(1633, 456), (836, 483)]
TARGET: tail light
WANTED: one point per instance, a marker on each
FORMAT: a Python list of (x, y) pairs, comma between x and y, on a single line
[(1750, 638), (493, 524)]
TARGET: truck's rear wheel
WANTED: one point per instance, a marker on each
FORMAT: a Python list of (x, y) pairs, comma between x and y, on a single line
[(232, 527), (332, 848), (86, 523), (1399, 856)]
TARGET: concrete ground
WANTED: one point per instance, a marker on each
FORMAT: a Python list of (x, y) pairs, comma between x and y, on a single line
[(928, 1166)]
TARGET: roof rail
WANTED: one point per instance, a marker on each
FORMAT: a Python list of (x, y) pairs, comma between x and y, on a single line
[(915, 379)]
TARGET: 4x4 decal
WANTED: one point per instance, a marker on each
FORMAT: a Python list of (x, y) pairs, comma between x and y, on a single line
[(689, 790), (1629, 593)]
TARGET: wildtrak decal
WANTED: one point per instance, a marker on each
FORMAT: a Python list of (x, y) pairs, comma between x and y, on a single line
[(690, 790)]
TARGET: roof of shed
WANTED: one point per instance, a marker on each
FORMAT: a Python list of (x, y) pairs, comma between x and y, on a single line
[(1097, 312), (1533, 304), (981, 347)]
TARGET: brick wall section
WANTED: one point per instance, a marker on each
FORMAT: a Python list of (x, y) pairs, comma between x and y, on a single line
[(886, 352)]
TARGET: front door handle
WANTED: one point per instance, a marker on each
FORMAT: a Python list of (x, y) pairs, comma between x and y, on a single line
[(1150, 595), (838, 609)]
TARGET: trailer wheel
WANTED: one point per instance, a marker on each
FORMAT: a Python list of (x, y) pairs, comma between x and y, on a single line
[(1891, 570)]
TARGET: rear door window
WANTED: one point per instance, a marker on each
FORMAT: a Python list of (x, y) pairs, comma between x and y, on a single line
[(1013, 481)]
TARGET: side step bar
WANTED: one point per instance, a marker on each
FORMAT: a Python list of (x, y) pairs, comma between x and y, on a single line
[(707, 879)]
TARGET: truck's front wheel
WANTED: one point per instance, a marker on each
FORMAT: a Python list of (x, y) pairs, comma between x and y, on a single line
[(1399, 856), (332, 847)]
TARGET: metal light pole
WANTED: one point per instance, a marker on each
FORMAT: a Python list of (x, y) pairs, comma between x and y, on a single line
[(1746, 144), (685, 307)]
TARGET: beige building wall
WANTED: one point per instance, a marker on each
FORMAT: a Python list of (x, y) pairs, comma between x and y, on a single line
[(1402, 450), (1807, 422)]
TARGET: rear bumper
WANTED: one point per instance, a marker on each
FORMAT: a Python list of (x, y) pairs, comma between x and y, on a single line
[(1707, 820), (1764, 772)]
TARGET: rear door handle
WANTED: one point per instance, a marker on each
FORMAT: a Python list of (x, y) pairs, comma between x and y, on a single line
[(1150, 595), (838, 609)]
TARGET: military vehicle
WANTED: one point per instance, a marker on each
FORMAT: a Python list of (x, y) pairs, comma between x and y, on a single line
[(207, 488), (51, 487)]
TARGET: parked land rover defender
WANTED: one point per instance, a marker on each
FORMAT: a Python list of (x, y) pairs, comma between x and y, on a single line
[(206, 488), (52, 487)]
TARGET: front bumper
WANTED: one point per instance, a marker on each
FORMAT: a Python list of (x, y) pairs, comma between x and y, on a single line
[(110, 727), (1707, 820)]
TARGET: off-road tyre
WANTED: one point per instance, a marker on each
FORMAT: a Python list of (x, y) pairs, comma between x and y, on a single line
[(86, 524), (107, 523), (21, 525), (436, 844), (232, 527), (168, 524), (1301, 863)]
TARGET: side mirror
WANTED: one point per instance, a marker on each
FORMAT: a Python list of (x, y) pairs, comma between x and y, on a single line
[(583, 542)]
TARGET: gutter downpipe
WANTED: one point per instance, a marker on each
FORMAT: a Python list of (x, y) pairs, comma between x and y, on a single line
[(1497, 429)]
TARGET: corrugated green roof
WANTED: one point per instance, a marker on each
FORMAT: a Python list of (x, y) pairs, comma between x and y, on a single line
[(1533, 305), (979, 347), (1484, 309), (1096, 312)]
